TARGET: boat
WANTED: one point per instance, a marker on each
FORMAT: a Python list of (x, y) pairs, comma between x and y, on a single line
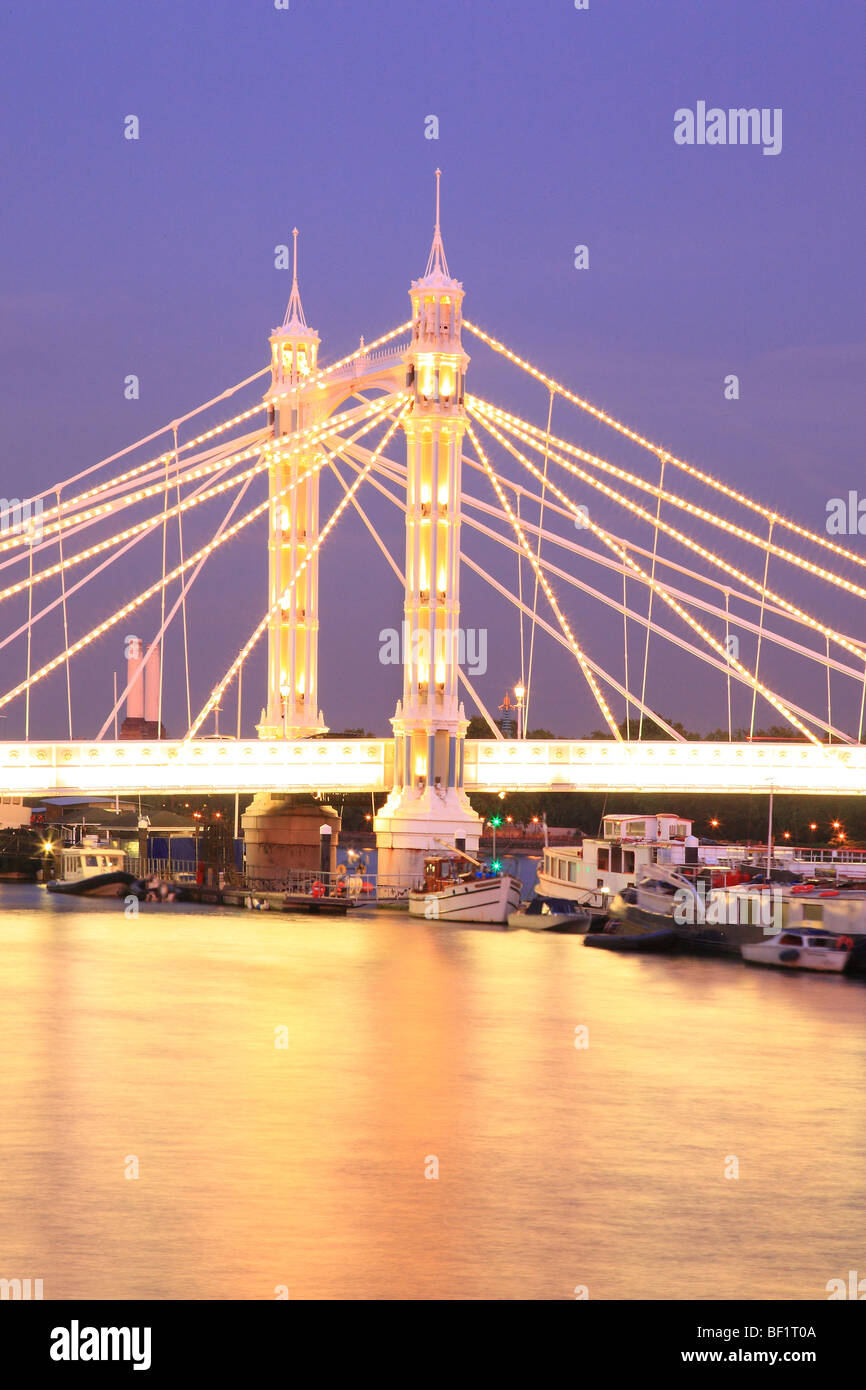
[(703, 917), (802, 950), (550, 914), (91, 870), (623, 936), (455, 890)]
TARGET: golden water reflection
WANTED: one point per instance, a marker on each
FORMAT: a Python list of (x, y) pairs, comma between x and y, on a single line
[(153, 1039)]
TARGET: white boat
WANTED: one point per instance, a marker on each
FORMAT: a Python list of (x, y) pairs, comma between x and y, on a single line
[(550, 914), (91, 870), (801, 950), (593, 872), (454, 891)]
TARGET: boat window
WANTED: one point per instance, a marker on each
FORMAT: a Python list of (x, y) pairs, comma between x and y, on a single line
[(603, 859), (820, 941), (790, 939), (92, 861), (628, 861), (813, 912), (636, 827), (572, 872), (610, 830)]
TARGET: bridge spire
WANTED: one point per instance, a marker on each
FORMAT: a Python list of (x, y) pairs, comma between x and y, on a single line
[(295, 311), (437, 264)]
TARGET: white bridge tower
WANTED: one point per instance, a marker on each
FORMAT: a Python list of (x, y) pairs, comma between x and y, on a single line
[(293, 632), (427, 809)]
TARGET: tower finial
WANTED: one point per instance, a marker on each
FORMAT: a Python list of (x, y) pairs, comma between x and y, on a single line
[(295, 311), (436, 262)]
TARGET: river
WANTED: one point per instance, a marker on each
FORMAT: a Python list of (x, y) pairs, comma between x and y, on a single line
[(286, 1089)]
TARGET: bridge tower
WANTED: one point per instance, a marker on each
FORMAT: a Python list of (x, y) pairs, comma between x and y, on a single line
[(293, 633), (427, 808)]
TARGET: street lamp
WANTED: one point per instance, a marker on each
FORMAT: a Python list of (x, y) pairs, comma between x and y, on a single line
[(519, 692), (495, 822)]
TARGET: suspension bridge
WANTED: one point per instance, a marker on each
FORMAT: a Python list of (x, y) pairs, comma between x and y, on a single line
[(680, 562)]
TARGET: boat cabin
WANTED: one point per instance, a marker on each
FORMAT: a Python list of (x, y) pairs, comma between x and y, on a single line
[(87, 860), (442, 871), (629, 844)]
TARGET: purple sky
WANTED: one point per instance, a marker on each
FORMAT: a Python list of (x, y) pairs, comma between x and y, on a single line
[(156, 258)]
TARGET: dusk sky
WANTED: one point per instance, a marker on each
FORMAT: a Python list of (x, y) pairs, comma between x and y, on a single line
[(155, 257)]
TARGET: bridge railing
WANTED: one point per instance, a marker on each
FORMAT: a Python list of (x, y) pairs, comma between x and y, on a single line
[(176, 870), (830, 856), (356, 888)]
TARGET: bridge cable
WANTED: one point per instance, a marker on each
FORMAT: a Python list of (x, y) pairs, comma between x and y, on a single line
[(520, 613), (727, 649), (625, 657), (216, 540), (650, 600), (637, 438), (30, 642), (829, 720), (65, 616), (517, 426), (180, 552), (761, 630), (538, 555), (461, 675), (561, 619), (774, 699), (855, 648), (135, 532), (217, 692), (186, 585), (716, 662), (149, 592), (397, 473)]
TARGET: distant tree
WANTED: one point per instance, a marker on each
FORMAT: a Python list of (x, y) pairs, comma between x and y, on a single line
[(350, 733), (479, 728)]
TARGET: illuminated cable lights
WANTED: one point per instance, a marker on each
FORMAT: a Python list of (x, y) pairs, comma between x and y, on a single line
[(676, 501), (300, 438), (156, 588), (68, 523), (151, 523), (659, 588), (563, 622), (656, 449), (676, 534), (160, 460)]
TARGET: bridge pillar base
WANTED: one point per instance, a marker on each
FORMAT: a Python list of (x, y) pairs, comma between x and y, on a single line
[(281, 833), (415, 822)]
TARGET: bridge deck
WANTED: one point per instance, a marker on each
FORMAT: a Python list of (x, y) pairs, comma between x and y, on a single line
[(366, 765)]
